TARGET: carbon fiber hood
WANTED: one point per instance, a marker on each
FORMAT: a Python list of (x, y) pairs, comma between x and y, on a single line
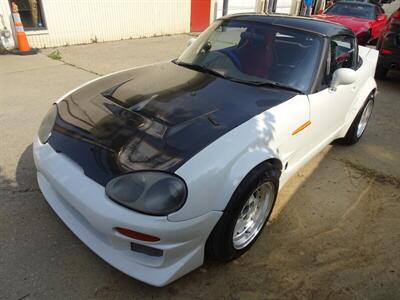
[(156, 117)]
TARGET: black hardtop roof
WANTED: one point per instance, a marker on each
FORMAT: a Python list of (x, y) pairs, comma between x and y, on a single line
[(317, 26)]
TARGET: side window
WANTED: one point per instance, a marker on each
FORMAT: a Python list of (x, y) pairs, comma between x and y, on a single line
[(342, 54)]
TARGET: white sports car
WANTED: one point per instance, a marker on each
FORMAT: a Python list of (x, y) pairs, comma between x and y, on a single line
[(155, 167)]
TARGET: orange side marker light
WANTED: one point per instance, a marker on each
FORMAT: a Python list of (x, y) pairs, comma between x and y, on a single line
[(305, 125)]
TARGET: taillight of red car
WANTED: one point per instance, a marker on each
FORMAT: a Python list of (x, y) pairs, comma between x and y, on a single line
[(386, 51)]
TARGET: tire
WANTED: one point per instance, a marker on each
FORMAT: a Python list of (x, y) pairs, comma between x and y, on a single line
[(357, 130), (381, 72), (221, 244)]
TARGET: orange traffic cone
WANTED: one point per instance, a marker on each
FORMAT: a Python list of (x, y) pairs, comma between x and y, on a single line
[(22, 41)]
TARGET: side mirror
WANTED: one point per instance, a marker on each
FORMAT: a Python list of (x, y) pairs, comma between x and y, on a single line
[(380, 18), (191, 41), (342, 76)]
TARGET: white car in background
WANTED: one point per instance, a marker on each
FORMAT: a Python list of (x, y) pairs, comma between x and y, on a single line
[(157, 166)]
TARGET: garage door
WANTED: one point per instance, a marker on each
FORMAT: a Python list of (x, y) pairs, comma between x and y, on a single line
[(200, 15)]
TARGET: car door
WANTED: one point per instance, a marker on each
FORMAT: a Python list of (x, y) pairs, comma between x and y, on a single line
[(328, 106)]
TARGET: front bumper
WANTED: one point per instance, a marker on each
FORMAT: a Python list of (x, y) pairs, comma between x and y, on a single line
[(84, 207)]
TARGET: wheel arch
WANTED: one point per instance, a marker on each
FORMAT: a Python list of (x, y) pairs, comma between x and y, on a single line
[(220, 185), (213, 174), (365, 92), (275, 162)]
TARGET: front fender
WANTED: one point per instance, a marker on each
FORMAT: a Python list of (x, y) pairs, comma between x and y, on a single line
[(366, 82), (214, 173)]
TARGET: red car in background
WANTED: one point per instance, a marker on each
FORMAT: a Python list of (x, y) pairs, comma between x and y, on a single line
[(365, 19)]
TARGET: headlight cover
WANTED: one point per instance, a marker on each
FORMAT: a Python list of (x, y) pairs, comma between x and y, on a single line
[(47, 124), (151, 192)]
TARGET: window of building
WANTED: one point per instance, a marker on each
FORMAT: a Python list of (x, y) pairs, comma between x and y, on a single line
[(31, 14)]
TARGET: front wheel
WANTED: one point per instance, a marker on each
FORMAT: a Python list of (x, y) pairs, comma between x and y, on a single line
[(245, 215), (360, 123)]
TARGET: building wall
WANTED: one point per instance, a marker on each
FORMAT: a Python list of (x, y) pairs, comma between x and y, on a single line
[(240, 6), (284, 6), (6, 13), (237, 6), (71, 22)]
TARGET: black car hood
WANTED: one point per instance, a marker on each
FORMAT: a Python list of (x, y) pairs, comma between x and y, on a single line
[(152, 118)]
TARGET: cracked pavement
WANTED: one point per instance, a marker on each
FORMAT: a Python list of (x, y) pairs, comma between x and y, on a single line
[(334, 233)]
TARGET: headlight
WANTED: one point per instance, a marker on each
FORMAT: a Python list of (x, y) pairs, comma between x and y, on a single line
[(47, 124), (150, 192)]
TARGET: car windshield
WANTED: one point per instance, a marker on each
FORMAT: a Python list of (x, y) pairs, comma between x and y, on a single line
[(256, 53), (352, 10)]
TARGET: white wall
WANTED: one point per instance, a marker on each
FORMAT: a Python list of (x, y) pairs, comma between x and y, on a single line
[(84, 21), (284, 6), (7, 38), (6, 13), (237, 6), (242, 6)]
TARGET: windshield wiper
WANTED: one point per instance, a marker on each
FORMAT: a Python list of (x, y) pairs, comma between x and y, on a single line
[(275, 84), (270, 83), (201, 68)]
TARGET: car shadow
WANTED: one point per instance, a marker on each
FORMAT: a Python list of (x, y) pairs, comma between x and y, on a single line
[(26, 171)]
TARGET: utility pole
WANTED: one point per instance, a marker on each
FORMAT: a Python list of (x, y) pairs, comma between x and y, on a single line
[(225, 7), (271, 7)]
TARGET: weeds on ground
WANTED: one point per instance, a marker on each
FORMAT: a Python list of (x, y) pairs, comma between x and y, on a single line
[(55, 55)]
